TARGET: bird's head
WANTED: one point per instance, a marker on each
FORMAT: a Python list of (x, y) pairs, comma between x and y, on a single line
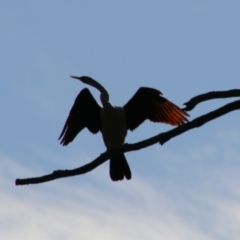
[(93, 83), (84, 79)]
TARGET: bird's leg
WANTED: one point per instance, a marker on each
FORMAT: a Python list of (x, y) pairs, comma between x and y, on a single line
[(114, 151)]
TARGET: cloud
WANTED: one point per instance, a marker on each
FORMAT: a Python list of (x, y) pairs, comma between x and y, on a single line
[(199, 202)]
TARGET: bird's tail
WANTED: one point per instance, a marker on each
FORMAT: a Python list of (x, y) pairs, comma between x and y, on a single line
[(119, 168)]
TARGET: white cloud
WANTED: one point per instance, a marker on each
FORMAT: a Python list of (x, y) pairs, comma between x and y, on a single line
[(199, 203)]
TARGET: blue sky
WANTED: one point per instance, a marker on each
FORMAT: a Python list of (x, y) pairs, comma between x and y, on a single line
[(186, 189)]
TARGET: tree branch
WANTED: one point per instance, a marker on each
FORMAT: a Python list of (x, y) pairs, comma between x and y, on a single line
[(160, 138), (208, 96)]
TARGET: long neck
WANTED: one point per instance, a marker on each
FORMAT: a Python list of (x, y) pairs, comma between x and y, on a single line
[(101, 89), (104, 97)]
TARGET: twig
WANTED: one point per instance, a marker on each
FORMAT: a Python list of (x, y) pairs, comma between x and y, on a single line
[(210, 95)]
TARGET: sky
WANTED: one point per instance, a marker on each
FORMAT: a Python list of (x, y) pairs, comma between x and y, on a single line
[(189, 188)]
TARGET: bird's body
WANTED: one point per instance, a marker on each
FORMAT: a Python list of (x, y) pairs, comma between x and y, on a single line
[(114, 128), (114, 121), (114, 132)]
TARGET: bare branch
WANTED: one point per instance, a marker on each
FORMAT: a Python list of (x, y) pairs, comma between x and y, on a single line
[(210, 95), (161, 138), (65, 173)]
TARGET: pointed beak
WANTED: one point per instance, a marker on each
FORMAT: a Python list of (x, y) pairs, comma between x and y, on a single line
[(75, 77)]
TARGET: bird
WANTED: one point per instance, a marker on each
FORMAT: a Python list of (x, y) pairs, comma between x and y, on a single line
[(114, 122)]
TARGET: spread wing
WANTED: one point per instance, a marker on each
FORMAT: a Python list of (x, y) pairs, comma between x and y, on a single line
[(148, 104), (85, 112)]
